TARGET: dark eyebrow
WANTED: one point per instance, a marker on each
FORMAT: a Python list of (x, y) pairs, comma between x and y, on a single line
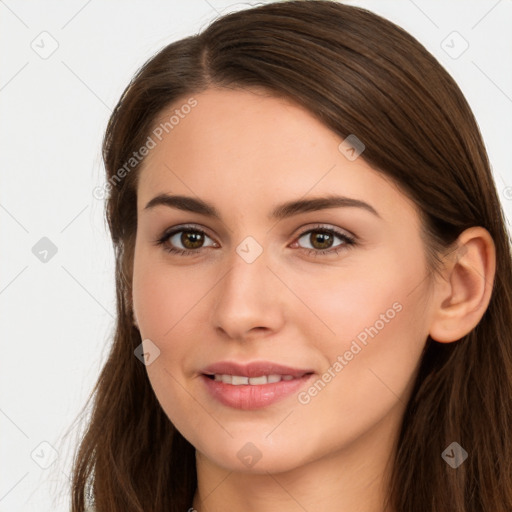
[(282, 211)]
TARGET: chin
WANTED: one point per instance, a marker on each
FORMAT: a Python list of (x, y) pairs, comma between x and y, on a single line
[(254, 457)]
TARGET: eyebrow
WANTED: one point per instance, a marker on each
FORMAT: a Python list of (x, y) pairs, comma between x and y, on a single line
[(282, 211)]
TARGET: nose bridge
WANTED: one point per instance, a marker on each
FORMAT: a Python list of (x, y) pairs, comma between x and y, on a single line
[(246, 276), (247, 295)]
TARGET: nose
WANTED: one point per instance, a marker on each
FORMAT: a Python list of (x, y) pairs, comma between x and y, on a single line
[(249, 300)]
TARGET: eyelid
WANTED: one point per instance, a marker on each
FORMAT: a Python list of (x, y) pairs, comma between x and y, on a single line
[(300, 232), (185, 227), (328, 227), (349, 238)]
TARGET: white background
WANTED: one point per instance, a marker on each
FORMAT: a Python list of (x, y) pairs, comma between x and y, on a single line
[(57, 317)]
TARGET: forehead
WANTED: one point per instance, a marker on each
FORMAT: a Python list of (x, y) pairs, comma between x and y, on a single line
[(243, 147), (241, 127)]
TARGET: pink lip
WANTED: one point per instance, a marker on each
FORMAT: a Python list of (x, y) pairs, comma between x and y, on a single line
[(250, 397), (254, 369)]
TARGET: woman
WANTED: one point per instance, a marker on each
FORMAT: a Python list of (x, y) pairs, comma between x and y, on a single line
[(313, 279)]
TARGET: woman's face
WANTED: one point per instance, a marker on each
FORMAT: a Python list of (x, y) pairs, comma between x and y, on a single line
[(337, 295)]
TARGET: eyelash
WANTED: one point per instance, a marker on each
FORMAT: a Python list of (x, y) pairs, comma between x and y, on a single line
[(348, 241)]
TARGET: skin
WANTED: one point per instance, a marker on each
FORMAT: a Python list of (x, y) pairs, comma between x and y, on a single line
[(245, 151)]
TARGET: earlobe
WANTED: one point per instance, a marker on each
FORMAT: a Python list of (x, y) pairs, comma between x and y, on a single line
[(463, 297)]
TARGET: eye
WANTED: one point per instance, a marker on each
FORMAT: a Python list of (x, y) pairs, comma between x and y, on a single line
[(321, 240), (191, 238)]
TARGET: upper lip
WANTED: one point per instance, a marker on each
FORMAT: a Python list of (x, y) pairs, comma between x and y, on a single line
[(254, 369)]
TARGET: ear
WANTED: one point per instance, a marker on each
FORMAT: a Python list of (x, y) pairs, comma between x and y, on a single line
[(462, 297)]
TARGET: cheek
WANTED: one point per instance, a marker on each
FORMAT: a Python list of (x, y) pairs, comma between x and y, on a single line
[(371, 326), (370, 361), (162, 296)]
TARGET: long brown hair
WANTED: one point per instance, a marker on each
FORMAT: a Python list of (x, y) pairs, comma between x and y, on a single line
[(359, 74)]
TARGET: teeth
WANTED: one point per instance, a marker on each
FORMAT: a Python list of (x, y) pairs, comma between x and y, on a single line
[(258, 380), (236, 380), (240, 380)]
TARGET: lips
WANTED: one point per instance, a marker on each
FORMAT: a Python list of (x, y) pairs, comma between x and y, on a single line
[(254, 385), (255, 369)]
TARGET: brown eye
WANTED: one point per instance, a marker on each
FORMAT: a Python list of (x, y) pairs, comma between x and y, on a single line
[(321, 241), (191, 239)]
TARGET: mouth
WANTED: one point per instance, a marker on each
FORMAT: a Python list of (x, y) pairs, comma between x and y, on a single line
[(253, 386), (242, 380), (255, 369)]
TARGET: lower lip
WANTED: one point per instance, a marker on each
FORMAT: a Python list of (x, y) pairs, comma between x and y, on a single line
[(250, 397)]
